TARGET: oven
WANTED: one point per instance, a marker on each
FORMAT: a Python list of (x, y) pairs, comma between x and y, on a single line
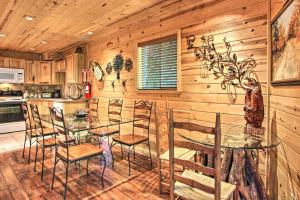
[(11, 113)]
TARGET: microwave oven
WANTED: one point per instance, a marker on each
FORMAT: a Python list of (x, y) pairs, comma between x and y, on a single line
[(9, 75)]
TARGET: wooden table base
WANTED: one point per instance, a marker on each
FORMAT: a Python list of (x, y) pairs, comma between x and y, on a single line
[(239, 167)]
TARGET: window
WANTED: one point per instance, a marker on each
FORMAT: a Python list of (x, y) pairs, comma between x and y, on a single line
[(157, 62)]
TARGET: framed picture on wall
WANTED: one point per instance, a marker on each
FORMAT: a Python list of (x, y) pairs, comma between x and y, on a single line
[(285, 44)]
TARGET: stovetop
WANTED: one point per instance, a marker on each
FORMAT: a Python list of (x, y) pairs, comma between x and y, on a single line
[(11, 93)]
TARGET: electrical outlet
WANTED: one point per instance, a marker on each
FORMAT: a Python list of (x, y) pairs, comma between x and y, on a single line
[(293, 196)]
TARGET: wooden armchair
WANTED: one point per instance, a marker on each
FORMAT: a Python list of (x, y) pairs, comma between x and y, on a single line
[(44, 133), (142, 113), (68, 153), (191, 184)]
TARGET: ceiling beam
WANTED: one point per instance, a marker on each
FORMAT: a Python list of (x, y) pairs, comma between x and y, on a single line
[(19, 54)]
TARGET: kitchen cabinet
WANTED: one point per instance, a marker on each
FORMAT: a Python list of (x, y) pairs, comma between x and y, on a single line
[(74, 66), (4, 62), (31, 72), (58, 75), (16, 63), (61, 66), (45, 72)]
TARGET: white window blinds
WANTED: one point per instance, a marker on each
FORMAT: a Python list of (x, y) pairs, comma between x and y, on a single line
[(158, 64)]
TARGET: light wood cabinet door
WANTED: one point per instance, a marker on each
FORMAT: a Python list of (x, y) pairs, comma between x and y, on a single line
[(74, 66), (70, 69), (30, 70), (62, 66), (4, 62), (45, 72), (16, 63)]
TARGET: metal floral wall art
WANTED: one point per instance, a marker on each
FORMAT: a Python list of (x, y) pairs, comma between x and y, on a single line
[(223, 65), (234, 74), (108, 68), (128, 64), (118, 63)]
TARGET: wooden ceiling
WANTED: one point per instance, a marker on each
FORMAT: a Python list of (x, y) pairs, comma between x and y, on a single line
[(61, 23)]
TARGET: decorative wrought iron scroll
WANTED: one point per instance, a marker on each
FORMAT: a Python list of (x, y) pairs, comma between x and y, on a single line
[(225, 65)]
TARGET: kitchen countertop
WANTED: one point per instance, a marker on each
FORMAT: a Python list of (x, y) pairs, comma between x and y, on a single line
[(59, 100)]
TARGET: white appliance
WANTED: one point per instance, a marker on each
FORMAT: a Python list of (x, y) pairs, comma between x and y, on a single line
[(9, 75)]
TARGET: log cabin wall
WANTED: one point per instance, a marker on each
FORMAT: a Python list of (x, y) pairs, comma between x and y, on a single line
[(243, 22), (285, 122)]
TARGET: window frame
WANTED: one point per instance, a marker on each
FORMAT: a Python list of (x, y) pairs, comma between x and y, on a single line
[(178, 89)]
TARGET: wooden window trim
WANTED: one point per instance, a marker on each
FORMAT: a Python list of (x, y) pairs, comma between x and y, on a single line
[(178, 89)]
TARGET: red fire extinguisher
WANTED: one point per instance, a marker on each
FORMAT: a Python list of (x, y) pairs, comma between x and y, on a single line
[(88, 91)]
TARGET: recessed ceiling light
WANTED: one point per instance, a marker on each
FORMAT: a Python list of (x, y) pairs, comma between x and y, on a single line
[(2, 35), (90, 32), (43, 41), (29, 18)]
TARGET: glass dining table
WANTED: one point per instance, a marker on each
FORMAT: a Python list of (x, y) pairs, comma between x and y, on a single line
[(240, 157), (79, 126)]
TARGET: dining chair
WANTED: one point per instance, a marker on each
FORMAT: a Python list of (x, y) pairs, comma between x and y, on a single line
[(114, 117), (141, 123), (47, 136), (93, 107), (198, 181), (29, 134), (68, 151), (182, 153)]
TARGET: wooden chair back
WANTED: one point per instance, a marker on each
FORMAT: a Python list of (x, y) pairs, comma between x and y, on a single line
[(214, 151), (115, 109), (58, 122), (37, 122), (93, 107), (27, 118), (142, 112)]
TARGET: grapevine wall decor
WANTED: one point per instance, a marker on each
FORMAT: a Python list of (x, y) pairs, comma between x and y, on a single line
[(108, 68), (118, 64), (234, 74), (128, 64)]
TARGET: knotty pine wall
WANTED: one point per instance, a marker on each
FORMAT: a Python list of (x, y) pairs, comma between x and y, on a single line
[(285, 123), (243, 22)]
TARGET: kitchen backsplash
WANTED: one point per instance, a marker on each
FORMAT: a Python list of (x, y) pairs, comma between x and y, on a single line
[(30, 88)]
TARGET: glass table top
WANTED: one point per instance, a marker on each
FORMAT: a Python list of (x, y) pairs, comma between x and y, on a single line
[(75, 124), (234, 137)]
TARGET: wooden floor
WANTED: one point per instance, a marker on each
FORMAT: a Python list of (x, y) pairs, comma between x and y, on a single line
[(19, 181)]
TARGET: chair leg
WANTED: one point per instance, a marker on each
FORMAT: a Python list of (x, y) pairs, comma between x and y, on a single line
[(87, 167), (112, 155), (150, 154), (128, 161), (236, 194), (122, 150), (43, 161), (36, 154), (55, 162), (66, 183), (134, 153), (24, 145), (104, 166), (159, 174), (30, 140)]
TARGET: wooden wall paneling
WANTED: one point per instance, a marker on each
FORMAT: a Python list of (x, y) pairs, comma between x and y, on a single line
[(244, 23), (284, 122)]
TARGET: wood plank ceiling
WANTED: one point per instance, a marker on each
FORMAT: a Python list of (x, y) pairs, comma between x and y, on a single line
[(60, 23)]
